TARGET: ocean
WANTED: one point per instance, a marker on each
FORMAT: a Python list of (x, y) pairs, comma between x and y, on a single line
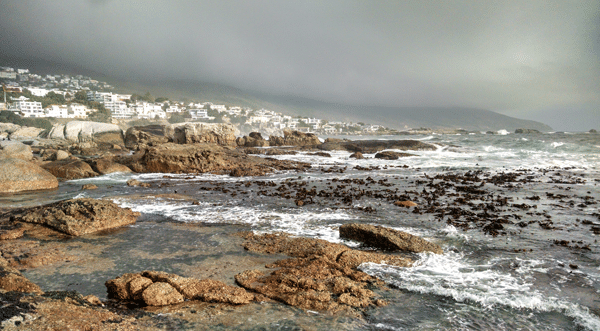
[(518, 218)]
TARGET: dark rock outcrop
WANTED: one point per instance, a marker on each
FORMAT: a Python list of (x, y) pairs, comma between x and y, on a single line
[(294, 138), (389, 155), (17, 175), (77, 217), (72, 168), (202, 158), (374, 146), (527, 131), (357, 155), (388, 239)]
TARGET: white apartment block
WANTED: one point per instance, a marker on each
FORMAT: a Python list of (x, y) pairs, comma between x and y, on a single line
[(56, 111), (119, 109), (8, 74), (198, 113), (219, 108), (38, 92), (27, 108)]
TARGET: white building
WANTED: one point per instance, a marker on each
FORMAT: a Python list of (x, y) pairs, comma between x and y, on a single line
[(56, 111), (8, 74), (148, 110), (198, 113), (38, 92), (219, 108), (27, 108), (78, 111), (118, 109)]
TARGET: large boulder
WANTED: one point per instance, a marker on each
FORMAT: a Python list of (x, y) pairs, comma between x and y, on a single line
[(374, 146), (189, 133), (527, 131), (105, 166), (388, 239), (294, 138), (103, 134), (254, 139), (25, 132), (157, 288), (390, 155), (15, 149), (77, 217), (18, 175), (138, 137), (9, 127), (201, 158), (71, 168), (57, 132)]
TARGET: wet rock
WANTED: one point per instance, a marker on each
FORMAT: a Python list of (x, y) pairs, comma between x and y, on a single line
[(70, 169), (357, 155), (105, 166), (16, 150), (18, 175), (405, 204), (388, 239), (374, 146), (12, 280), (294, 138), (77, 217), (141, 287), (526, 131), (135, 182), (202, 158), (89, 187), (323, 154), (190, 133), (321, 276), (389, 155)]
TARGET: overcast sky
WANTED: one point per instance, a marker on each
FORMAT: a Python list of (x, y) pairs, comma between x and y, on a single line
[(530, 59)]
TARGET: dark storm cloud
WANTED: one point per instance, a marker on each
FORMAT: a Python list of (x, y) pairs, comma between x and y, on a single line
[(501, 55)]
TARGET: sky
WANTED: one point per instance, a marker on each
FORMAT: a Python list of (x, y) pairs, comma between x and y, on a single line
[(536, 60)]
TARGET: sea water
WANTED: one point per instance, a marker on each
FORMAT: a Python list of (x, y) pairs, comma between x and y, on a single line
[(521, 280)]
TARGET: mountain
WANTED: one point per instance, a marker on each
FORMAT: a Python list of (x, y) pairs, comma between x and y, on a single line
[(394, 117)]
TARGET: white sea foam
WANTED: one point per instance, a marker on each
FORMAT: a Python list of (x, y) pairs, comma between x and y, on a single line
[(449, 275)]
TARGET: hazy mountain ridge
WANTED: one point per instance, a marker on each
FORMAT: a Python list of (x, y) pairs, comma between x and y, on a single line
[(399, 118)]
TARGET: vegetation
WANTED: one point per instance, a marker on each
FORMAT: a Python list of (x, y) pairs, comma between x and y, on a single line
[(176, 118), (10, 117)]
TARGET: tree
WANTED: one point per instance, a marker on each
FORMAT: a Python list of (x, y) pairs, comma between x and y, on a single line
[(176, 118), (161, 99), (81, 96)]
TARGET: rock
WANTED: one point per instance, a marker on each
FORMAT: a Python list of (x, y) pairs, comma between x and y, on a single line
[(388, 239), (593, 131), (405, 204), (139, 287), (139, 137), (93, 300), (135, 182), (77, 217), (321, 276), (323, 154), (61, 155), (357, 155), (11, 230), (25, 132), (294, 138), (161, 294), (18, 175), (12, 280), (190, 133), (89, 187), (527, 131), (280, 151), (202, 158), (389, 155), (374, 146), (70, 169), (254, 139), (9, 127), (103, 134), (105, 166), (15, 149), (57, 132)]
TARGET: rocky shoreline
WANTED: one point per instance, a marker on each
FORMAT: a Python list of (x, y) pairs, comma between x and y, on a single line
[(318, 275)]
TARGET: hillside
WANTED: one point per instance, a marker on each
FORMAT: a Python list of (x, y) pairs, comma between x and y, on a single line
[(394, 117)]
